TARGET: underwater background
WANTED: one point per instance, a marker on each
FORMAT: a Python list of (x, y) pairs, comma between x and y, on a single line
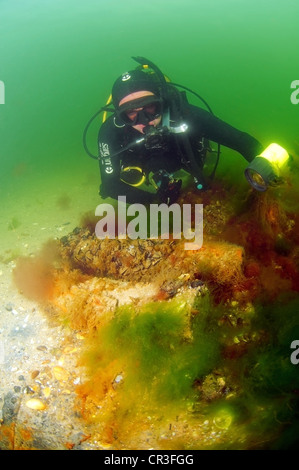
[(59, 59)]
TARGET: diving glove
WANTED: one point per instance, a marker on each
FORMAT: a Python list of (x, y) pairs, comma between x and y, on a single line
[(171, 193), (168, 188)]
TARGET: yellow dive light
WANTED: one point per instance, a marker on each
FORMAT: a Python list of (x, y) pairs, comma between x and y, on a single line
[(266, 168)]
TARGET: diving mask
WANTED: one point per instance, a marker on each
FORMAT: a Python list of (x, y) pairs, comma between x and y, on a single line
[(140, 111)]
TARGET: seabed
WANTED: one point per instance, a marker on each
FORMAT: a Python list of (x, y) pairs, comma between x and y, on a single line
[(140, 344)]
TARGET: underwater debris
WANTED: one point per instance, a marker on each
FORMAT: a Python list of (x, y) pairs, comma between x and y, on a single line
[(178, 343), (97, 276), (141, 259), (251, 254), (213, 387)]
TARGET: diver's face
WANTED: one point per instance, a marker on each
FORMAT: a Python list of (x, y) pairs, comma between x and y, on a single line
[(134, 96)]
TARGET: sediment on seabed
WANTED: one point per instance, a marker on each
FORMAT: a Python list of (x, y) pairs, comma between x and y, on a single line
[(160, 347)]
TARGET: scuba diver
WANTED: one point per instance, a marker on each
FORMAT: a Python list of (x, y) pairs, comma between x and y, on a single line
[(153, 133)]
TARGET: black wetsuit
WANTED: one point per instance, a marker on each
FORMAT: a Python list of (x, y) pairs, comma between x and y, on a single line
[(169, 157)]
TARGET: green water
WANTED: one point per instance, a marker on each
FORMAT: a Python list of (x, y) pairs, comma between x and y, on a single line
[(59, 59)]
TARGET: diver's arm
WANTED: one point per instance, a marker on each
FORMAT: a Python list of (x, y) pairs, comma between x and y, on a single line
[(219, 131)]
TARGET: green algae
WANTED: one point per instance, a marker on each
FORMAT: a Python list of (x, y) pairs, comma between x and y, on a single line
[(167, 350), (161, 348), (269, 382), (273, 370)]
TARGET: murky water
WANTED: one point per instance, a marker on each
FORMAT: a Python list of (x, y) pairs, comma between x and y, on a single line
[(59, 59)]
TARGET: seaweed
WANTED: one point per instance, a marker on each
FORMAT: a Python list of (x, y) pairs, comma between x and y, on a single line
[(185, 350)]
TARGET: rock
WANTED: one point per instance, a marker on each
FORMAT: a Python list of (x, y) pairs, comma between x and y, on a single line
[(60, 374), (10, 408), (36, 404), (9, 306)]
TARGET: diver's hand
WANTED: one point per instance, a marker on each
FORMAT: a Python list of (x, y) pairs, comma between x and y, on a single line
[(169, 193)]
